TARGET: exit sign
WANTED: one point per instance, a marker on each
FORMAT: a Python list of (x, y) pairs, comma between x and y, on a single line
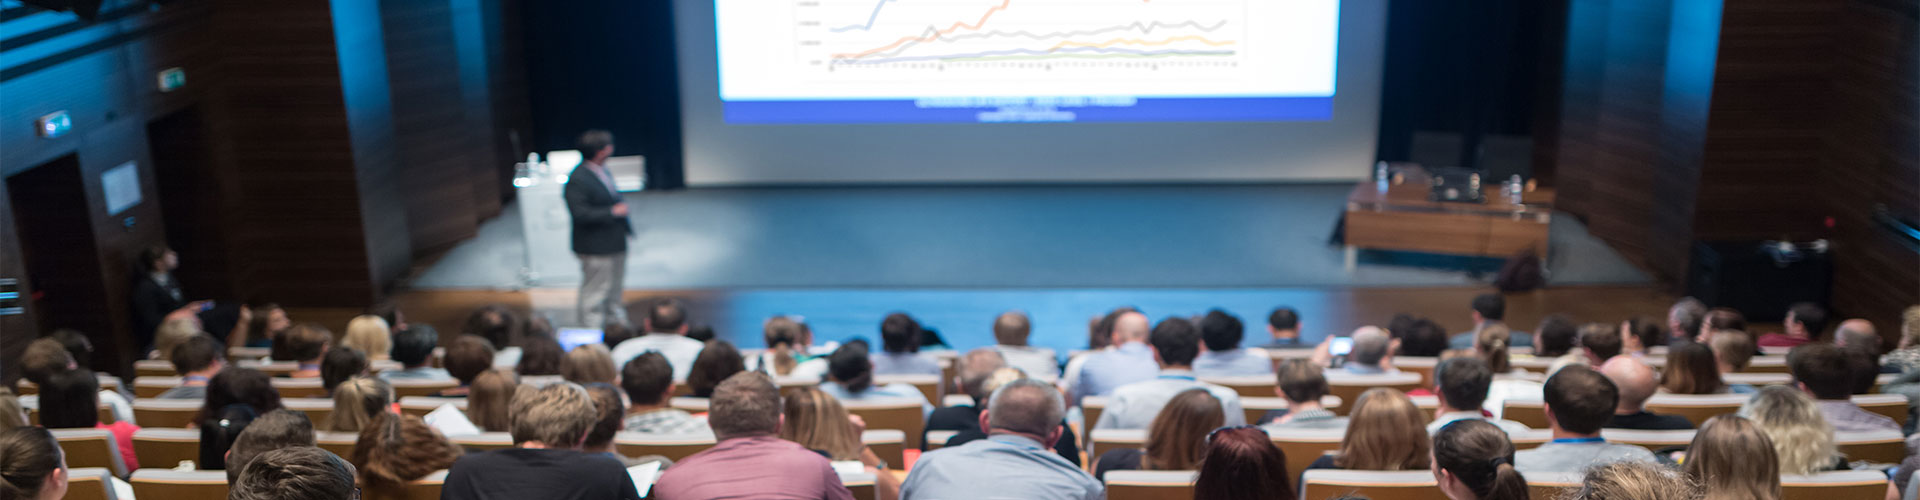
[(172, 79), (53, 125)]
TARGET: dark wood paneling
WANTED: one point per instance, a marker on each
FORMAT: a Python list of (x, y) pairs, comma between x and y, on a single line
[(1872, 157), (15, 330), (432, 130)]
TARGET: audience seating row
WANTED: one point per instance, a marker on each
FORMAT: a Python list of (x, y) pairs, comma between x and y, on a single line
[(1699, 408), (212, 485), (1420, 485)]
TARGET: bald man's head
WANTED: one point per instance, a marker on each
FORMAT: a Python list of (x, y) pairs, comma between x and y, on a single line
[(1012, 328), (1858, 332), (976, 366), (1634, 379), (1370, 345), (1131, 327)]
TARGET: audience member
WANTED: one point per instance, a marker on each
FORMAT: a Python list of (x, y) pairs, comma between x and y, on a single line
[(1733, 350), (1601, 341), (548, 426), (1010, 331), (1241, 463), (974, 368), (751, 461), (1283, 324), (1639, 334), (1175, 344), (196, 360), (1488, 309), (1731, 458), (666, 327), (968, 431), (1491, 347), (1684, 319), (818, 422), (1802, 439), (717, 361), (1220, 333), (1128, 360), (609, 411), (1718, 319), (1634, 480), (342, 364), (1460, 386), (1175, 440), (71, 400), (296, 473), (44, 357), (1826, 373), (786, 355), (78, 346), (1805, 322), (1857, 332), (272, 431), (467, 357), (589, 364), (1387, 432), (1419, 337), (1372, 353), (612, 334), (489, 399), (12, 414), (175, 329), (389, 311), (413, 349), (32, 466), (540, 356), (1508, 381), (1023, 421), (501, 328), (357, 402), (1556, 336), (1302, 383), (1906, 355), (699, 332), (307, 343), (850, 378), (648, 380), (1634, 383), (1691, 369), (1864, 365), (395, 449), (265, 322), (1473, 460), (235, 397), (900, 337), (1578, 401), (370, 335)]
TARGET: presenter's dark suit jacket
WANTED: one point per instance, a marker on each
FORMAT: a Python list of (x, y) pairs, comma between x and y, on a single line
[(596, 230)]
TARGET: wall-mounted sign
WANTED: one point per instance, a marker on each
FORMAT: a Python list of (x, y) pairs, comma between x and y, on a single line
[(122, 186), (53, 125), (172, 79)]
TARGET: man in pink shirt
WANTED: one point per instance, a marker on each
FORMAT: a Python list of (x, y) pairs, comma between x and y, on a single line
[(1804, 322), (751, 460)]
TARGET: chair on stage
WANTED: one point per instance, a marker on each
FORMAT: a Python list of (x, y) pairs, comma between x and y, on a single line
[(1150, 484)]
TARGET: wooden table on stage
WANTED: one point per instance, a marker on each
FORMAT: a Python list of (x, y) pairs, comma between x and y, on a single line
[(1402, 218)]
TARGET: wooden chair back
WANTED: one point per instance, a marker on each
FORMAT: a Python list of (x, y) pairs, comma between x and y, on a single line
[(938, 439), (1422, 365), (1105, 440), (1150, 484), (902, 415), (404, 388), (1247, 386), (91, 448), (428, 487), (164, 448), (153, 368), (150, 386), (928, 385), (484, 442), (1349, 387), (340, 443), (673, 447), (1887, 447), (888, 444), (861, 484), (180, 485), (317, 410), (171, 413), (104, 414), (1303, 446), (1376, 485), (1548, 485), (300, 388), (1894, 406), (1696, 408), (89, 483), (1532, 412), (1832, 485), (420, 406), (1256, 408)]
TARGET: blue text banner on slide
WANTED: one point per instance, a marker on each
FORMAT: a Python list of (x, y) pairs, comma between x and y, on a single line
[(1008, 61)]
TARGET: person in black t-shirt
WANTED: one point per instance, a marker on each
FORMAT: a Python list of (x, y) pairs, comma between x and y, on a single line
[(546, 462), (1636, 384)]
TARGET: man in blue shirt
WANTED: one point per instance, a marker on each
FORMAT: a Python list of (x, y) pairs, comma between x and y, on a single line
[(1175, 342), (1221, 333), (1015, 461), (1488, 309), (1129, 361)]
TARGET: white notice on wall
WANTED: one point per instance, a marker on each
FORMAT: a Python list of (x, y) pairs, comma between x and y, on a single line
[(122, 187)]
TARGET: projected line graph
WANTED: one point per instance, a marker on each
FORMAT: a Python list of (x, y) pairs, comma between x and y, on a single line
[(868, 33)]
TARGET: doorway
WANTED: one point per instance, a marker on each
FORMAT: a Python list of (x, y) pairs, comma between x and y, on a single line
[(49, 205), (189, 201)]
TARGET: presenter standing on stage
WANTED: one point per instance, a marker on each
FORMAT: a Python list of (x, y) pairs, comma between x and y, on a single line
[(600, 232)]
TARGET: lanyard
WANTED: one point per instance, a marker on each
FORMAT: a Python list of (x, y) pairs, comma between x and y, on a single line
[(1580, 440), (1188, 378)]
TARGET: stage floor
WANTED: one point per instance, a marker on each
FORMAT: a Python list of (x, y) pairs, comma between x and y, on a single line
[(984, 237)]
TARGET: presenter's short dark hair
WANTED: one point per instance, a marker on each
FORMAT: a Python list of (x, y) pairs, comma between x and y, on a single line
[(592, 141)]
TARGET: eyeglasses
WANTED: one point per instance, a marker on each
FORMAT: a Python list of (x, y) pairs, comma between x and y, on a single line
[(1216, 432)]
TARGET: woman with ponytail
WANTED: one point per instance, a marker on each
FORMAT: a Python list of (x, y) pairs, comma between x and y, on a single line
[(31, 465), (1733, 459), (1473, 460), (786, 354), (850, 379)]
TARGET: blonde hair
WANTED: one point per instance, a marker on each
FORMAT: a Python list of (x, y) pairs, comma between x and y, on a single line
[(1632, 480), (356, 402), (1733, 460), (1387, 432), (11, 414), (817, 421), (370, 335), (587, 364), (1178, 437), (1910, 327), (1801, 436), (487, 400), (1733, 347), (173, 333), (993, 382), (1491, 345)]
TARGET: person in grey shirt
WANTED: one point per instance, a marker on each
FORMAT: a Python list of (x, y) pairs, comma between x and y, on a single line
[(900, 349), (1010, 330), (1488, 309), (1302, 384), (413, 349), (1175, 343), (1221, 333), (1016, 460), (1579, 401), (196, 360)]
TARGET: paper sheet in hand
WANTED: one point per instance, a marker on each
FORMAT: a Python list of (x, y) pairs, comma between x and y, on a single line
[(643, 476), (451, 421)]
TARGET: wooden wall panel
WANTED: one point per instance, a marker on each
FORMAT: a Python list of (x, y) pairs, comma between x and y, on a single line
[(14, 328), (1873, 156), (437, 148)]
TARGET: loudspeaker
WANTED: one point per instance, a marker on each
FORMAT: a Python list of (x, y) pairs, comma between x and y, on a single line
[(1760, 279), (86, 9)]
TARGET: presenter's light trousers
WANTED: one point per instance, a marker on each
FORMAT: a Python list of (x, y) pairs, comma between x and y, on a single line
[(601, 277)]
